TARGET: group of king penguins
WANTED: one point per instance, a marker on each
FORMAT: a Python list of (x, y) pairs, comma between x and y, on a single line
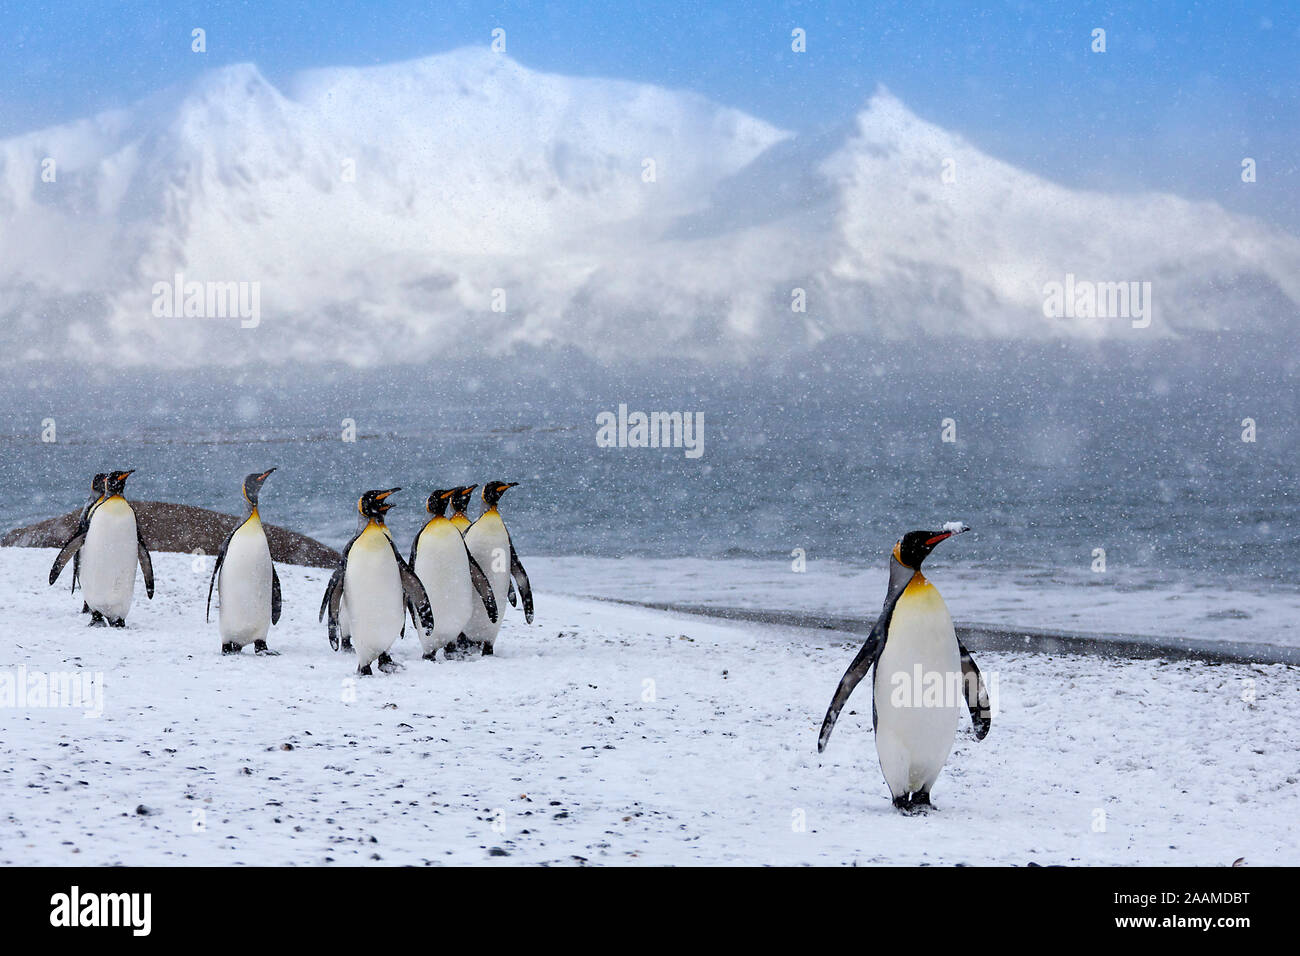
[(453, 585), (459, 573)]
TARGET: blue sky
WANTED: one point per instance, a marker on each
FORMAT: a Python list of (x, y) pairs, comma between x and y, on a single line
[(1183, 92)]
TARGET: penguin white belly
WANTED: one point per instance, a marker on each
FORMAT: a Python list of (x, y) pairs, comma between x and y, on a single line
[(108, 559), (917, 690), (443, 568), (372, 586), (244, 586), (489, 543)]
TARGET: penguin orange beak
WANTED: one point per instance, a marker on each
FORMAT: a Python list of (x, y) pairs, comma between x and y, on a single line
[(448, 494), (123, 475), (264, 475), (944, 536), (384, 494)]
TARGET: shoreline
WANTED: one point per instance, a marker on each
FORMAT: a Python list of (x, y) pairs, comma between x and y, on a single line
[(999, 637)]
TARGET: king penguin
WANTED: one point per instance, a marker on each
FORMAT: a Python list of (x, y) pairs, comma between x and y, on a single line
[(921, 669), (248, 589), (452, 578), (379, 588), (96, 496), (110, 544), (489, 544), (459, 502)]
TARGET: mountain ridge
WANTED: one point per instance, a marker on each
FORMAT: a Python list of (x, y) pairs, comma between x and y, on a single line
[(388, 212)]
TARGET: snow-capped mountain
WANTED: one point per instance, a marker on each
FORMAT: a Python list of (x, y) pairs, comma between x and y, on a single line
[(379, 214)]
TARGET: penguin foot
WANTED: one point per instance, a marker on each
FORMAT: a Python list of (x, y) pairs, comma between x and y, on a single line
[(388, 665), (230, 647), (97, 620), (913, 803), (487, 649), (431, 656), (464, 646), (259, 647), (365, 671), (347, 644), (85, 608), (120, 622)]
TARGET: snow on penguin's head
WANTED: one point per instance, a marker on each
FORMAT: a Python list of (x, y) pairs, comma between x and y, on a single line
[(915, 546)]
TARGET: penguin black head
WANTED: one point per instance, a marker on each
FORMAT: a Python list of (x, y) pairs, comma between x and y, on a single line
[(99, 483), (372, 504), (115, 482), (253, 484), (493, 491), (436, 504), (460, 498), (916, 546)]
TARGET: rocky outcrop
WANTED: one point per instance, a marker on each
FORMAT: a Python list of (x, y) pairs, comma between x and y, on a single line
[(172, 527)]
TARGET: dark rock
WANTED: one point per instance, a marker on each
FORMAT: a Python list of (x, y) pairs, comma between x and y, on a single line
[(183, 528)]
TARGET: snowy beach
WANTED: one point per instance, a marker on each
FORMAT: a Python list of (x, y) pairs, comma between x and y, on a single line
[(604, 734), (1140, 602)]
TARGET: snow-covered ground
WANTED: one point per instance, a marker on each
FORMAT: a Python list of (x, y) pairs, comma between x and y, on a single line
[(557, 751)]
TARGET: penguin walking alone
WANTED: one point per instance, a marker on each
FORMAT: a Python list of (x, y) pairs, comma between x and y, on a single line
[(489, 544), (921, 670), (451, 577), (110, 544), (379, 588), (96, 496), (248, 589)]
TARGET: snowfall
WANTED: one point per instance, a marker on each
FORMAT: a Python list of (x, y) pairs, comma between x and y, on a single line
[(601, 734)]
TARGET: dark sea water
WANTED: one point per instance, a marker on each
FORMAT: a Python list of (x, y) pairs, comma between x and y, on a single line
[(1058, 452)]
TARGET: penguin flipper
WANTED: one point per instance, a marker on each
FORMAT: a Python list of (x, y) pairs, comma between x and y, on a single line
[(334, 594), (76, 570), (275, 596), (70, 547), (216, 566), (510, 593), (330, 603), (977, 697), (861, 665), (520, 575), (146, 563), (484, 588), (417, 601), (334, 580)]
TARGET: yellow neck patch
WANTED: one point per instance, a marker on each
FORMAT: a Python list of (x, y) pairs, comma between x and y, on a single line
[(918, 586)]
